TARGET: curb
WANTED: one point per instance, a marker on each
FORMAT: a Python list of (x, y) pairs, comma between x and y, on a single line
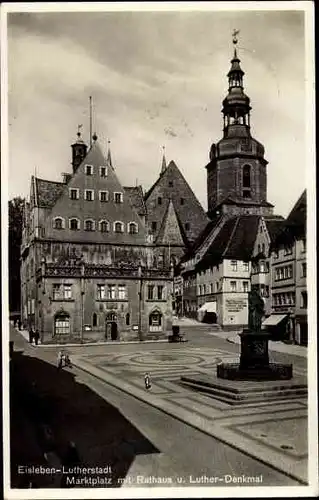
[(198, 426)]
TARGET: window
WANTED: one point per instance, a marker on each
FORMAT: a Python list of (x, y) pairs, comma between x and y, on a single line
[(246, 176), (103, 171), (170, 184), (89, 225), (304, 269), (233, 286), (118, 227), (187, 226), (104, 226), (111, 292), (127, 319), (262, 267), (104, 196), (233, 265), (245, 286), (150, 292), (160, 290), (132, 228), (89, 194), (74, 224), (304, 300), (100, 292), (88, 170), (62, 325), (182, 201), (155, 321), (67, 292), (118, 197), (74, 194), (122, 292), (159, 200), (58, 223), (154, 226), (263, 248), (94, 319), (246, 266), (56, 291)]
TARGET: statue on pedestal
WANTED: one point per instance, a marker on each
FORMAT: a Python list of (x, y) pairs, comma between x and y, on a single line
[(255, 311)]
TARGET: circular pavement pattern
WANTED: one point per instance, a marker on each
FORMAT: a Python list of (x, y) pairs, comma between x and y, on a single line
[(165, 359)]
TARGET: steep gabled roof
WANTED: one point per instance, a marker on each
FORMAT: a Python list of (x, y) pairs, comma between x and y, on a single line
[(136, 197), (47, 192), (274, 226), (171, 231), (295, 224), (235, 240)]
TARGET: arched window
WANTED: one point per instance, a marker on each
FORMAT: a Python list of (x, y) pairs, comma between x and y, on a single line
[(58, 223), (132, 228), (94, 319), (62, 324), (246, 176), (127, 319), (89, 225), (155, 321), (74, 224), (118, 227), (104, 226)]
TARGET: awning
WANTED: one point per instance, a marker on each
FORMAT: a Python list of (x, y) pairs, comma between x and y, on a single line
[(274, 319), (210, 307)]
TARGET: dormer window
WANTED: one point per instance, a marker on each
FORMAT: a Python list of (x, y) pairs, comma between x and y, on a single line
[(88, 169), (159, 200), (118, 227), (104, 226), (74, 193), (170, 184), (89, 194), (132, 228), (103, 171), (89, 225), (187, 226), (58, 223), (118, 197), (74, 224)]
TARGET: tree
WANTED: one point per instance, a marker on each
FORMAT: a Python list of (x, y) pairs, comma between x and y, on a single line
[(16, 207)]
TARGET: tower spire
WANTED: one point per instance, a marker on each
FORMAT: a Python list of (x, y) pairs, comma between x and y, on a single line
[(164, 166)]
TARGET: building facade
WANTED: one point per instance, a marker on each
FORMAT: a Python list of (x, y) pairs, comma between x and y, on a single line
[(89, 269)]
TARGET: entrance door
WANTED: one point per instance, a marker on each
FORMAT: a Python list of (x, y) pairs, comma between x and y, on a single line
[(111, 329)]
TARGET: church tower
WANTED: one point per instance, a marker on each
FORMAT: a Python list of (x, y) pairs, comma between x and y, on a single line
[(236, 173)]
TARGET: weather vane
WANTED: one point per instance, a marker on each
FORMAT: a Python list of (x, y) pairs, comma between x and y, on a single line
[(234, 35)]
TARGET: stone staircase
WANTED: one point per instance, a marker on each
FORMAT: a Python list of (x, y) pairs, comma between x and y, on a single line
[(243, 392)]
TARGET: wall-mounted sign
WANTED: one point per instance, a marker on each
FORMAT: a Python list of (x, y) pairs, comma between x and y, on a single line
[(235, 305)]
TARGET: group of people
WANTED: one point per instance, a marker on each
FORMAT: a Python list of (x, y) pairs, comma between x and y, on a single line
[(63, 360), (34, 336)]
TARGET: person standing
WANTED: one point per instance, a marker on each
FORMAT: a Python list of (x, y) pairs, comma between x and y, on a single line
[(147, 381), (60, 360), (36, 337)]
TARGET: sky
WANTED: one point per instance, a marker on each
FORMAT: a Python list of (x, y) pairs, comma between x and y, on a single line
[(157, 79)]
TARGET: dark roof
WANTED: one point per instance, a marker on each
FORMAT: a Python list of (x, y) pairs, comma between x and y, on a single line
[(274, 226), (201, 238), (47, 192), (135, 194), (295, 224), (168, 219), (235, 240)]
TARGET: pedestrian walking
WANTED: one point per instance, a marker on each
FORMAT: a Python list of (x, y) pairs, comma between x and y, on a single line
[(60, 360), (147, 381), (36, 337)]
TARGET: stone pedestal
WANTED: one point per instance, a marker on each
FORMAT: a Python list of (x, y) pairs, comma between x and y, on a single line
[(254, 361), (254, 350)]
